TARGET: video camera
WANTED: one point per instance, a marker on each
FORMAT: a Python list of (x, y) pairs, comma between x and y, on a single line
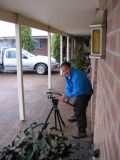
[(52, 95)]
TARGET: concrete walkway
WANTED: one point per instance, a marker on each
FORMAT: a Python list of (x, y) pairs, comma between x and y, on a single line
[(36, 102)]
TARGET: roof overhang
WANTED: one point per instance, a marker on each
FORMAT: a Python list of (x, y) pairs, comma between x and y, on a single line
[(57, 16)]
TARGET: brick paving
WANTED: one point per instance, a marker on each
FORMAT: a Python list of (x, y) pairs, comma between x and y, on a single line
[(37, 105)]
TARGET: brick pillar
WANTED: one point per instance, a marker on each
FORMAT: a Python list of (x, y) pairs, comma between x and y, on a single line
[(94, 64)]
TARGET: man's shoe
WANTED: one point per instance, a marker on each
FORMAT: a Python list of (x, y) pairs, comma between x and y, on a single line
[(72, 119), (80, 135)]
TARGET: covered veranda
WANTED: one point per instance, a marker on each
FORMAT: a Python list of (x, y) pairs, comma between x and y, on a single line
[(67, 18)]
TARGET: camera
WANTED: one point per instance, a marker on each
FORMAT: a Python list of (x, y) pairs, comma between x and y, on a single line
[(52, 95)]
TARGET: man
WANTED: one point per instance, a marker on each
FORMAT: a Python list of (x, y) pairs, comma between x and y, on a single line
[(78, 86)]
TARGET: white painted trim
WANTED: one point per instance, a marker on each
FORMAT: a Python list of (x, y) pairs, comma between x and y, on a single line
[(96, 25), (94, 56), (61, 52), (68, 56), (49, 61), (72, 46), (74, 43), (20, 73)]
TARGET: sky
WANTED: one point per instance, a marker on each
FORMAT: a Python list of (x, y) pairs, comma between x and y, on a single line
[(8, 29)]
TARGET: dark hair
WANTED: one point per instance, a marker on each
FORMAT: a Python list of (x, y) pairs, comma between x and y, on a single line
[(66, 63)]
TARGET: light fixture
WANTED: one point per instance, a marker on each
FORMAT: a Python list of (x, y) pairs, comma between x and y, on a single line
[(98, 35)]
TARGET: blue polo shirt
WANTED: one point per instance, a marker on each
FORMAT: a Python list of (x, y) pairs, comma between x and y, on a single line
[(77, 84)]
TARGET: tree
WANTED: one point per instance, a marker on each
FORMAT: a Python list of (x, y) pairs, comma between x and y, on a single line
[(26, 34), (56, 46)]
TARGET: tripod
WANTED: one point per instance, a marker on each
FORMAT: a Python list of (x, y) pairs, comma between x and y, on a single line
[(57, 117)]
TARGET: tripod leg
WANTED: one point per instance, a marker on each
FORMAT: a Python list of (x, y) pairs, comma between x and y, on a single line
[(47, 120), (59, 121), (61, 118), (55, 115)]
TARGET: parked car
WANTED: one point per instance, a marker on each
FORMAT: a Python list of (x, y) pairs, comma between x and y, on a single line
[(30, 62)]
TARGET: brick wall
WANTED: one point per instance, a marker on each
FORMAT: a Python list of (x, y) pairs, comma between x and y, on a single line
[(107, 113)]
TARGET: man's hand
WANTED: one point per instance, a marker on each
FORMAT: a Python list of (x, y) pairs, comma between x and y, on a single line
[(64, 98)]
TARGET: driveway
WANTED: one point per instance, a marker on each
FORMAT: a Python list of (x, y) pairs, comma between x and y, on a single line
[(36, 102), (37, 105)]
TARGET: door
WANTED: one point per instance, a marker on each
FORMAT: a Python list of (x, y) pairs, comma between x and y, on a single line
[(27, 63), (10, 61)]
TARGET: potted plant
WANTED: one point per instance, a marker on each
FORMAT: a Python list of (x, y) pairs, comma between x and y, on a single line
[(80, 60)]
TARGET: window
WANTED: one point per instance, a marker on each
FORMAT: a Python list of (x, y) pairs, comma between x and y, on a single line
[(11, 54), (13, 43), (42, 43), (39, 43)]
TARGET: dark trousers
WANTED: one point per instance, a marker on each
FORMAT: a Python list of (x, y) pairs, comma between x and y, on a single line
[(81, 104)]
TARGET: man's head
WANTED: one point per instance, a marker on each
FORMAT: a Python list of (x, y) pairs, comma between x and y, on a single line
[(66, 68)]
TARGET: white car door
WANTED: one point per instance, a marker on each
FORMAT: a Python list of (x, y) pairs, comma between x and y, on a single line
[(27, 63), (10, 62)]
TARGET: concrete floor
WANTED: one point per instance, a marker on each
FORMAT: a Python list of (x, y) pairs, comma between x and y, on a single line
[(36, 103)]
